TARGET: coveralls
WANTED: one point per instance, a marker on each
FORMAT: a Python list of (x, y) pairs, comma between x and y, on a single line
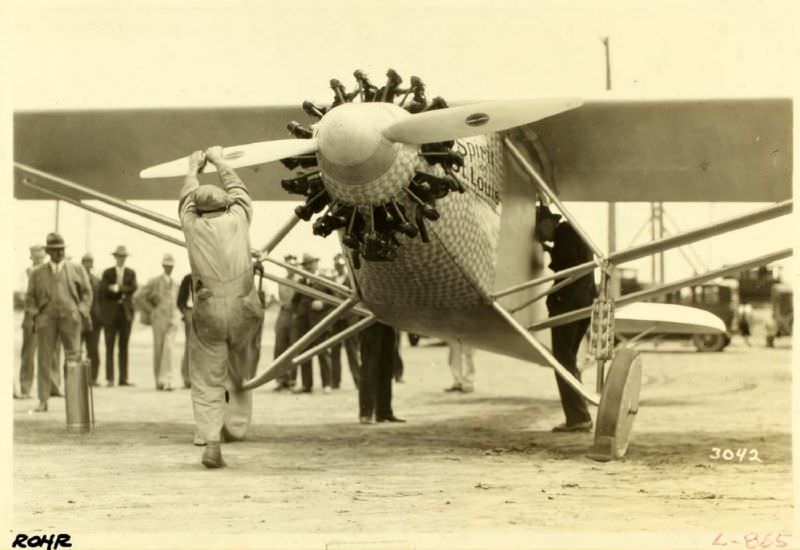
[(569, 250), (225, 337)]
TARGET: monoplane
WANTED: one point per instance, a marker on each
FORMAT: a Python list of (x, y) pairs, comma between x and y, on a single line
[(434, 205)]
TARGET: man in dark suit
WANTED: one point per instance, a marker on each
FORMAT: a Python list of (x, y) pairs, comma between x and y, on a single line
[(58, 299), (568, 250), (91, 337), (117, 286)]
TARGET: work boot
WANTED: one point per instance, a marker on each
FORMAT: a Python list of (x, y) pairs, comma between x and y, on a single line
[(576, 427), (212, 455)]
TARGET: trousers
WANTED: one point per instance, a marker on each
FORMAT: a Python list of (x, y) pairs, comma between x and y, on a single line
[(224, 348), (566, 340), (462, 364), (351, 349), (163, 342), (301, 324), (118, 326), (65, 329), (379, 357), (283, 339), (91, 340), (28, 360)]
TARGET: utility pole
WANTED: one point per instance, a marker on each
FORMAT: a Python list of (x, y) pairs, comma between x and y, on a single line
[(612, 206), (58, 212)]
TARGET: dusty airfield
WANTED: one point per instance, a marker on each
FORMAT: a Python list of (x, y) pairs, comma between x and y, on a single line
[(463, 463)]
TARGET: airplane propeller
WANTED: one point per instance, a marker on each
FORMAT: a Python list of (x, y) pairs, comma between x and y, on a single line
[(238, 156), (421, 128), (470, 120)]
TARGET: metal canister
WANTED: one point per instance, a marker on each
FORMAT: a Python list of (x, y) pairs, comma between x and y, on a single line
[(80, 416)]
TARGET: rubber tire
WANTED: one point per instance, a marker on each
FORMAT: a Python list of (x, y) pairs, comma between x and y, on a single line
[(619, 405), (706, 343)]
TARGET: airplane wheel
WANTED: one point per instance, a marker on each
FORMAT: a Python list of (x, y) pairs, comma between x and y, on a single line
[(618, 407)]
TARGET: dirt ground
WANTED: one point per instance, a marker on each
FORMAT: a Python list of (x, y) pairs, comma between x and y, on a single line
[(463, 468)]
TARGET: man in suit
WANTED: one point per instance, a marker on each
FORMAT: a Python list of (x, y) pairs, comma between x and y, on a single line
[(91, 335), (28, 353), (380, 353), (58, 299), (185, 305), (568, 250), (307, 312), (283, 327), (351, 344), (158, 299), (225, 339), (117, 286)]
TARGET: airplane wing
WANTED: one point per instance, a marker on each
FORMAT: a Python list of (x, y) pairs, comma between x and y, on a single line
[(692, 150), (666, 319), (106, 150)]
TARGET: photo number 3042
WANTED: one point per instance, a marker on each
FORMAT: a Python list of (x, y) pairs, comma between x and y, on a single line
[(739, 455)]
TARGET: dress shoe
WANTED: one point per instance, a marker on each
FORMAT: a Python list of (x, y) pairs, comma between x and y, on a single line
[(280, 387), (41, 408), (56, 393), (574, 428), (109, 384), (94, 384), (22, 396), (160, 387), (326, 389), (212, 456), (365, 419), (454, 388), (126, 384), (301, 390), (392, 418), (187, 385), (167, 388)]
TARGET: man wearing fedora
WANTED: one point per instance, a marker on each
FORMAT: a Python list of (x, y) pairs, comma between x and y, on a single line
[(91, 335), (28, 352), (567, 250), (159, 300), (58, 299), (117, 286), (225, 338), (307, 312)]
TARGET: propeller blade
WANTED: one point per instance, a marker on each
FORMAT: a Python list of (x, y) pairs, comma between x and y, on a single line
[(476, 118), (237, 156)]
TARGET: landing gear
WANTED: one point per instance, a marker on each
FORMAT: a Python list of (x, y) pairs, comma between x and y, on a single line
[(619, 405)]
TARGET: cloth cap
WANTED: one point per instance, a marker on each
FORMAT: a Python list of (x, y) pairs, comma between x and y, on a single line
[(543, 213), (87, 257), (120, 251), (54, 241), (309, 259), (210, 198), (168, 260)]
